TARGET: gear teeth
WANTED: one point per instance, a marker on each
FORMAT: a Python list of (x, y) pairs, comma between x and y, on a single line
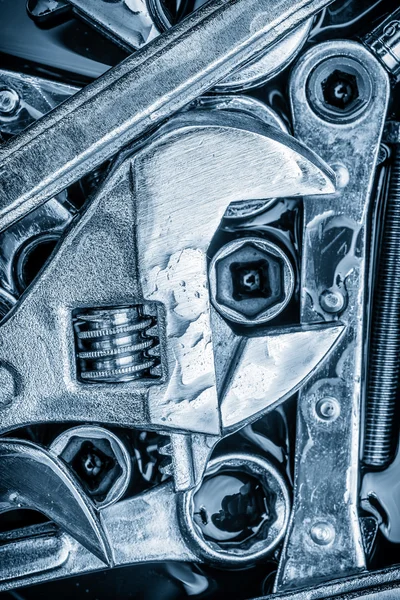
[(165, 448), (166, 467)]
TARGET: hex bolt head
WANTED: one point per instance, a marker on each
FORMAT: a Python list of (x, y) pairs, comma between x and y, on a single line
[(332, 301), (322, 533), (328, 409), (339, 89), (251, 281), (9, 102), (99, 460)]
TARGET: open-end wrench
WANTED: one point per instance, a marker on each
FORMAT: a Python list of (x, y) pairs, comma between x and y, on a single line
[(135, 96)]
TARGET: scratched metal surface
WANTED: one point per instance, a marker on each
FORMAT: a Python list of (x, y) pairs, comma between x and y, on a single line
[(62, 53)]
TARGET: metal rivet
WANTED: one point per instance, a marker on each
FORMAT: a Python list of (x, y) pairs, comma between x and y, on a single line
[(9, 101), (328, 409), (342, 175), (332, 301), (322, 533)]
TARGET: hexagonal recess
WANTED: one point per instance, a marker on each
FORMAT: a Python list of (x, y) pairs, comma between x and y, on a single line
[(98, 459), (94, 464), (340, 90), (251, 281)]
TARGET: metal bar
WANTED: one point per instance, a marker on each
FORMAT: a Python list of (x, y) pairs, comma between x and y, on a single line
[(324, 540), (135, 96)]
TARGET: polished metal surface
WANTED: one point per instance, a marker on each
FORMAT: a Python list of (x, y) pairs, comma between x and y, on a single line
[(324, 540), (34, 479), (252, 107), (154, 521), (28, 98), (133, 23), (271, 368), (128, 23), (137, 95), (188, 329), (167, 271), (266, 539), (172, 280)]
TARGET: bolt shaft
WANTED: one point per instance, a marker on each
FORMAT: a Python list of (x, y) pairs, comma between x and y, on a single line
[(385, 335)]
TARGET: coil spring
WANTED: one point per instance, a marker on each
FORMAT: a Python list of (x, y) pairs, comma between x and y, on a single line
[(385, 336), (114, 344)]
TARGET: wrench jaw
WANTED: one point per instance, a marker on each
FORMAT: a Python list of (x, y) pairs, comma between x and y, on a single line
[(31, 478), (269, 369)]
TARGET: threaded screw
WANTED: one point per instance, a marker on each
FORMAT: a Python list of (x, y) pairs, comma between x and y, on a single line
[(385, 335)]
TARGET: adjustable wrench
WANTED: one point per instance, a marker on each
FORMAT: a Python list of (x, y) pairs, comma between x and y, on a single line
[(130, 247), (132, 232)]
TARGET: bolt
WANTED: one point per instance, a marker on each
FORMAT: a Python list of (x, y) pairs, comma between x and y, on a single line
[(322, 533), (384, 356), (99, 460), (9, 102), (251, 281), (340, 89), (328, 409), (332, 301)]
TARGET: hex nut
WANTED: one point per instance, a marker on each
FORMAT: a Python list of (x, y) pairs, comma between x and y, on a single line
[(339, 89), (98, 459), (251, 281)]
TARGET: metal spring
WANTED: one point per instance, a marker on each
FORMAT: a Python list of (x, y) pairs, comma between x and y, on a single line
[(114, 344), (385, 336)]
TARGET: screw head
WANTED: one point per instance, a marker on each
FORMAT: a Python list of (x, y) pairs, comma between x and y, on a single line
[(9, 102), (328, 409), (339, 89), (322, 533), (332, 301), (251, 281)]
